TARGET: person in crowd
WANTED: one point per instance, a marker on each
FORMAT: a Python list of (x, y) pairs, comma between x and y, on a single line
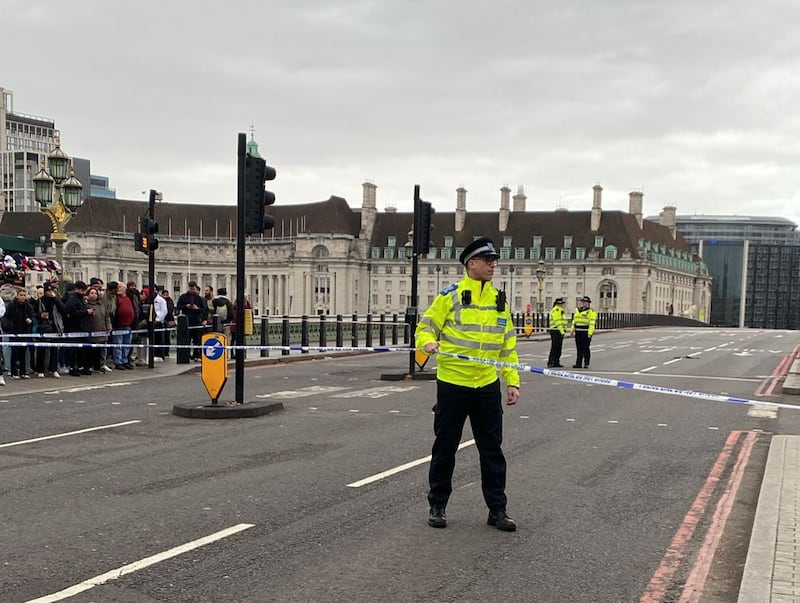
[(4, 340), (123, 322), (99, 326), (142, 320), (470, 318), (192, 305), (223, 308), (208, 304), (558, 326), (109, 301), (160, 335), (169, 320), (133, 293), (583, 322), (34, 295), (76, 321), (49, 314), (19, 320)]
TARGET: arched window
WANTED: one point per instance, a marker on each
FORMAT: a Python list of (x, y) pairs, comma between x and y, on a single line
[(320, 251), (72, 248), (608, 296)]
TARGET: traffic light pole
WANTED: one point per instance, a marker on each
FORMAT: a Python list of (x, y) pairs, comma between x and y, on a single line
[(414, 314), (240, 259), (151, 279)]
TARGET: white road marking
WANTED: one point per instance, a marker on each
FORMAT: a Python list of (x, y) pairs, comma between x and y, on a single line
[(613, 422), (762, 412), (141, 564), (376, 392), (87, 388), (570, 420), (710, 349), (672, 361), (714, 428), (693, 354), (67, 433), (303, 392), (400, 468), (649, 368), (662, 425)]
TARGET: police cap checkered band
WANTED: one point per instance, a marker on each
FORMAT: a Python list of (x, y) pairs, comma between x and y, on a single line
[(483, 247)]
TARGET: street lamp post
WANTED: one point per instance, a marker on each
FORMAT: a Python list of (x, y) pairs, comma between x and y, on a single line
[(369, 288), (511, 288), (438, 270), (59, 196), (540, 272)]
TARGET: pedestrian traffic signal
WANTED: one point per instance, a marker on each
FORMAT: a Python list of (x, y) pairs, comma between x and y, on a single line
[(256, 198), (145, 240), (423, 223)]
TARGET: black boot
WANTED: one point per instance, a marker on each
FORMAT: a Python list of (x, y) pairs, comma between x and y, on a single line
[(501, 521), (436, 518)]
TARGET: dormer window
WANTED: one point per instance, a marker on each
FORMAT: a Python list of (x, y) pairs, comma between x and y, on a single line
[(392, 242), (598, 241), (567, 242)]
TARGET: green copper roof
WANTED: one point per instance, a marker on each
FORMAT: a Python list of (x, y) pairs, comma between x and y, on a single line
[(252, 148)]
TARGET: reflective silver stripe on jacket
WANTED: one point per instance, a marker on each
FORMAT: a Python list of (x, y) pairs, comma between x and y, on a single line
[(473, 345)]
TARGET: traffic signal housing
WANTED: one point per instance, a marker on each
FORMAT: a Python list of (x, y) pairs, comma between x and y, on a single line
[(145, 240), (256, 198), (423, 223)]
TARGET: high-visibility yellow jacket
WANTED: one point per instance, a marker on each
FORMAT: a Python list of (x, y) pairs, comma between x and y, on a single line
[(476, 329), (583, 320), (558, 322)]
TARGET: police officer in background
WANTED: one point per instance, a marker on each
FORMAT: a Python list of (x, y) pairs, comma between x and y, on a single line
[(583, 326), (558, 326), (470, 317)]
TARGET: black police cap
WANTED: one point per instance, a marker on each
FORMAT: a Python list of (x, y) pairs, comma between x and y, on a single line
[(483, 247)]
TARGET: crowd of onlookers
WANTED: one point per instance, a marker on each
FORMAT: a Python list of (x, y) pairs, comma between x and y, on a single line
[(113, 317)]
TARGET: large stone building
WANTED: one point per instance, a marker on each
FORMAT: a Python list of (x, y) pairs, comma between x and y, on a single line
[(328, 257)]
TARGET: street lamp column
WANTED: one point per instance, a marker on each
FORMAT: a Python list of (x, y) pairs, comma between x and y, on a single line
[(59, 196), (540, 272), (438, 270), (511, 288)]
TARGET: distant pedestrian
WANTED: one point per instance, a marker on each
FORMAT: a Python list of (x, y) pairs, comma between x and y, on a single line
[(583, 322), (49, 314), (76, 323), (99, 326), (123, 322), (192, 305), (19, 319), (558, 327)]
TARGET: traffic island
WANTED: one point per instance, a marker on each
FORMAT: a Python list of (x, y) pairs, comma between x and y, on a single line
[(226, 411)]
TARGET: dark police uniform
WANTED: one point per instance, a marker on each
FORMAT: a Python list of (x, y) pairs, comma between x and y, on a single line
[(583, 322)]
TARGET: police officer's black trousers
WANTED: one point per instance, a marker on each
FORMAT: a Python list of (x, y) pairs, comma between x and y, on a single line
[(483, 406), (582, 343), (556, 343)]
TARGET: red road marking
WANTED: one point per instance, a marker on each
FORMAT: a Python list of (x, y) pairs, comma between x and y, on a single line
[(662, 578), (696, 581), (771, 382)]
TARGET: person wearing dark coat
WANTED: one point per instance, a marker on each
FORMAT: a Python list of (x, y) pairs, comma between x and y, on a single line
[(19, 318), (76, 320), (193, 306), (49, 311)]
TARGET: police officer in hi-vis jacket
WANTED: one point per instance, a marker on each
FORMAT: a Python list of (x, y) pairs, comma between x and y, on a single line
[(583, 326), (558, 327), (472, 318)]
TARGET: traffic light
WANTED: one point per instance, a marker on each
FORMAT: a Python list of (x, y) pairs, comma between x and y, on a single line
[(256, 199), (145, 240), (423, 223)]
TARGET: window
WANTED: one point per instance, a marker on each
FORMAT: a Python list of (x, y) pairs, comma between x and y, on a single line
[(388, 253), (565, 253), (598, 241), (519, 253), (389, 299), (504, 253), (448, 241), (506, 241), (376, 253), (446, 253), (580, 253), (392, 241), (320, 251), (535, 253), (564, 271), (432, 253), (458, 251), (611, 252), (537, 241), (388, 285), (550, 253), (388, 270), (401, 253), (567, 242)]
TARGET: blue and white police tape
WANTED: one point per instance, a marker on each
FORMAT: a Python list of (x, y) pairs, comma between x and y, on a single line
[(584, 378)]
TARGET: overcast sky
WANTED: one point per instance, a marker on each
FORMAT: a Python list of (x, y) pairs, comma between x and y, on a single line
[(693, 102)]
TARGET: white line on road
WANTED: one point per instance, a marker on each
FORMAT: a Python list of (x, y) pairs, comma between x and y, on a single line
[(66, 434), (649, 368), (398, 469), (141, 564), (673, 360)]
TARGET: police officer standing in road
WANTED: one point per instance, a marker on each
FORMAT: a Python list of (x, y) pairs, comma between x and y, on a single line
[(558, 326), (583, 326), (472, 318)]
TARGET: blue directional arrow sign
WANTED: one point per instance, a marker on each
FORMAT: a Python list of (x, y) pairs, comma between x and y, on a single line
[(214, 364)]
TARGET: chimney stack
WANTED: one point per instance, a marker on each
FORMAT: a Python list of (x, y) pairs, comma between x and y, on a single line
[(597, 211), (519, 199), (368, 210), (635, 205), (461, 208), (505, 199), (667, 218)]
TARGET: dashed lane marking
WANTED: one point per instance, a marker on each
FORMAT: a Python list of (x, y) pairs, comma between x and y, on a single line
[(68, 433)]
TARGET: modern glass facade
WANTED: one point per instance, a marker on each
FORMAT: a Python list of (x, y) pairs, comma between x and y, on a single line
[(773, 286)]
